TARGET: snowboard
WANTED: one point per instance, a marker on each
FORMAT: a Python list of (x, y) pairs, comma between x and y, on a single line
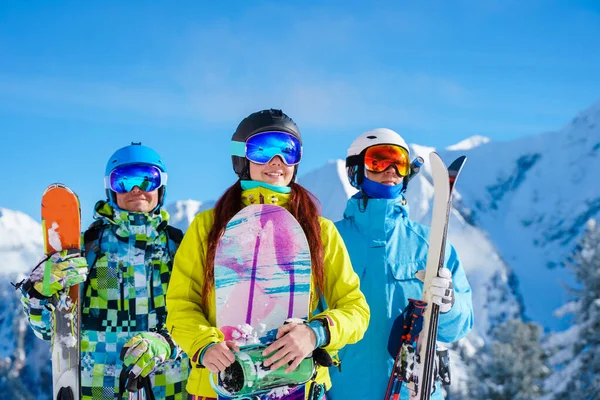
[(418, 325), (61, 224), (262, 278)]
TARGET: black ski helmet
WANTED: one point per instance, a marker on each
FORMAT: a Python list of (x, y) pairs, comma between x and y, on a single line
[(261, 121)]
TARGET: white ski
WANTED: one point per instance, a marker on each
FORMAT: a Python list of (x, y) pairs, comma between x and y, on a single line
[(443, 183)]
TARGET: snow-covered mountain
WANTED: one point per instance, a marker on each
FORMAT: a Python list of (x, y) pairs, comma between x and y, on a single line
[(533, 196), (24, 359), (20, 242), (331, 191), (182, 212)]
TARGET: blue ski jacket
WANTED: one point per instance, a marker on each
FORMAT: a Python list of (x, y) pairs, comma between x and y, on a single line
[(387, 249)]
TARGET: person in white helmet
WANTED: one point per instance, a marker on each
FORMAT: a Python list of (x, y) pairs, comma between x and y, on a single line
[(389, 253)]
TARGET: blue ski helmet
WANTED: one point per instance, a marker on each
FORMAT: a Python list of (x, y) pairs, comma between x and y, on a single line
[(135, 153)]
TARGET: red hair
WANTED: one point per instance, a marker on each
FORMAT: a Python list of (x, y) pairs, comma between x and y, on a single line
[(301, 206)]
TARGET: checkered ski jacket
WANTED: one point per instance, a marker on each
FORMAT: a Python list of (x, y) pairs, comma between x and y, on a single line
[(124, 295)]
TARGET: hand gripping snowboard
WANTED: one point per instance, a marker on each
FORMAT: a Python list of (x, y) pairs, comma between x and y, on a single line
[(61, 222), (262, 278)]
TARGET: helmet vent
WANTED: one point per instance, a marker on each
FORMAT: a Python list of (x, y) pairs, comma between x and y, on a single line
[(371, 137), (276, 113)]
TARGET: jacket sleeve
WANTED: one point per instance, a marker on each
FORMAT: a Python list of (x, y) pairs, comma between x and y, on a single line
[(347, 315), (191, 326), (457, 323), (38, 315)]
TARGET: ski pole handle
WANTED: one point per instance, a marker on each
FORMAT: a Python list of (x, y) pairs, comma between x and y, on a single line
[(132, 383), (415, 167)]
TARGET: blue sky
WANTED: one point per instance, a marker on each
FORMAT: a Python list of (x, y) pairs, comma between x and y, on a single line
[(80, 79)]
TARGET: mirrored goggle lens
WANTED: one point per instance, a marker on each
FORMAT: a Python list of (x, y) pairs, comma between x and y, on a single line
[(262, 147), (378, 158), (147, 177)]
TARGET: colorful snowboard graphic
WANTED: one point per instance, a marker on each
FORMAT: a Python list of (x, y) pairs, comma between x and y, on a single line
[(262, 278), (61, 222)]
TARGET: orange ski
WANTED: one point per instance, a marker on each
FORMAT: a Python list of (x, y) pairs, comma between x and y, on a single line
[(61, 219)]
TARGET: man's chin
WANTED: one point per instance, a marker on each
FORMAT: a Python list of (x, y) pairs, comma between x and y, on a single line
[(142, 206)]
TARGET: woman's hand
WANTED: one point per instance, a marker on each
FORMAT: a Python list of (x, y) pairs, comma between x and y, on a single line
[(220, 356), (294, 342)]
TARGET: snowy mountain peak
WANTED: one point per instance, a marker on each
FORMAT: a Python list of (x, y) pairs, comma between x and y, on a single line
[(418, 150), (330, 179), (18, 230), (469, 143), (21, 243), (182, 212), (588, 119)]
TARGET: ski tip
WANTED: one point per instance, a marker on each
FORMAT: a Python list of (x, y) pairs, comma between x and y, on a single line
[(55, 188), (435, 161), (459, 161), (434, 156), (457, 165)]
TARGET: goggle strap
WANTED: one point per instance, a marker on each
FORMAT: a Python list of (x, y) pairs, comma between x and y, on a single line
[(355, 160), (237, 148)]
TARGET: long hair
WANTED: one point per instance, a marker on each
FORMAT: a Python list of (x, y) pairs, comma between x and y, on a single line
[(301, 206)]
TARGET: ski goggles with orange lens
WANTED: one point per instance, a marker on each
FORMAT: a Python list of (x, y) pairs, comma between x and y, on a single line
[(262, 147), (146, 177), (378, 158)]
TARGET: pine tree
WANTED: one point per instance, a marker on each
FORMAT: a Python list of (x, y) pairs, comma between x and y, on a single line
[(513, 366), (584, 382)]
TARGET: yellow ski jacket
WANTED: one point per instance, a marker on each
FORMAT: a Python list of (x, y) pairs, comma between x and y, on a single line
[(193, 328)]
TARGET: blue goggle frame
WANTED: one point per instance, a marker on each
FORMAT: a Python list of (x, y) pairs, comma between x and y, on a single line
[(262, 147), (125, 177)]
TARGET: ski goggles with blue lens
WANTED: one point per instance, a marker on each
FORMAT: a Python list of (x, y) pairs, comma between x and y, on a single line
[(262, 147), (146, 177)]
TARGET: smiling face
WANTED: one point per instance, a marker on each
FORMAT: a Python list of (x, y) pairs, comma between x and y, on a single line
[(137, 200), (275, 172), (388, 177)]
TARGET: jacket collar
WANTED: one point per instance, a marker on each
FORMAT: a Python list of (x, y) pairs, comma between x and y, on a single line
[(262, 195), (131, 223), (378, 217)]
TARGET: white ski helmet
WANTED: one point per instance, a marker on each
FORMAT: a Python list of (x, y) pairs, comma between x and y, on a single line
[(355, 158)]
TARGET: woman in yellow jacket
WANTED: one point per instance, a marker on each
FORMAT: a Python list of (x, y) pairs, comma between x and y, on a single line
[(266, 173)]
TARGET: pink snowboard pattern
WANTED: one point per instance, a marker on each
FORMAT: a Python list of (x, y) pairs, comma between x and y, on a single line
[(262, 273)]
